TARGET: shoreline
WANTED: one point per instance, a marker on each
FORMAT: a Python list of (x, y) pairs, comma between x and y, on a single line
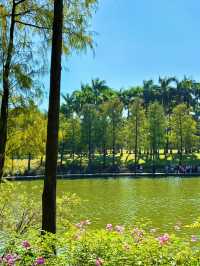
[(101, 175)]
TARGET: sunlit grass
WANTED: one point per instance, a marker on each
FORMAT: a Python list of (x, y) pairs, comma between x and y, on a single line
[(20, 166)]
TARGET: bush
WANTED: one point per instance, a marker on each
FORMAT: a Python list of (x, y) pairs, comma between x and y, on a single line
[(113, 246), (21, 211)]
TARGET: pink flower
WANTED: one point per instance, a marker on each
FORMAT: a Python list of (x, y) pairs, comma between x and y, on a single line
[(39, 261), (82, 224), (26, 244), (137, 234), (119, 229), (98, 262), (163, 239), (10, 259), (109, 227), (194, 238)]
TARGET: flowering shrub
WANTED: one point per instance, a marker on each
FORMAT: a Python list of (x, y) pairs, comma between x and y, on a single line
[(114, 245)]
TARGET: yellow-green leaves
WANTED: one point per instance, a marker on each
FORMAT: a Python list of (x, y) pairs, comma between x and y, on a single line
[(3, 26)]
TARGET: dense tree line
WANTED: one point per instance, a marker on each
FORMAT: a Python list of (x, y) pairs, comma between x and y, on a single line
[(100, 125), (144, 119)]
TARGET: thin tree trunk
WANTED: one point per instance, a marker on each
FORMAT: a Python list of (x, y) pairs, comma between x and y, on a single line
[(181, 144), (113, 143), (136, 141), (12, 163), (29, 162), (104, 155), (5, 96), (153, 158), (41, 160), (81, 158), (62, 154), (128, 112), (73, 141), (49, 192), (167, 138), (89, 144)]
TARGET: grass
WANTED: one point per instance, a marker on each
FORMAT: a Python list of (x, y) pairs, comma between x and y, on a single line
[(20, 165), (124, 160)]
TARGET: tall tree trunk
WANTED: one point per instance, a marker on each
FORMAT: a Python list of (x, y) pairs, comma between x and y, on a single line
[(181, 141), (104, 155), (81, 160), (62, 153), (5, 96), (89, 144), (73, 141), (113, 143), (136, 141), (167, 137), (41, 160), (29, 162), (12, 163), (153, 158), (49, 192)]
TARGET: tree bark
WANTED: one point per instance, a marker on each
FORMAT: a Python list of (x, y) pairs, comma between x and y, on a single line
[(5, 96), (12, 163), (29, 162), (113, 143), (41, 160), (136, 141), (89, 143), (49, 192), (181, 141), (104, 155), (62, 154), (73, 141)]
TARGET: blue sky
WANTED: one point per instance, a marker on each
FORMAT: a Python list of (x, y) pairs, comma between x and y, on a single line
[(138, 40)]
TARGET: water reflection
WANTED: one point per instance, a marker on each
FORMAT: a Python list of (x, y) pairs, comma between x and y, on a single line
[(165, 201)]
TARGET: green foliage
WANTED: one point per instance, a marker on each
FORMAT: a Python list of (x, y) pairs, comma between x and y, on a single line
[(136, 127), (183, 128), (83, 247), (101, 127), (26, 133), (156, 126), (139, 121), (21, 212)]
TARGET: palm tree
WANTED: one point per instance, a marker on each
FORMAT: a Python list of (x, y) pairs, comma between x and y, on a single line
[(149, 93), (128, 96), (98, 87), (184, 91), (166, 92), (196, 97), (67, 107), (166, 96)]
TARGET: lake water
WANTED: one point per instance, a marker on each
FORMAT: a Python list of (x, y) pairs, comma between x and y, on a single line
[(164, 201)]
